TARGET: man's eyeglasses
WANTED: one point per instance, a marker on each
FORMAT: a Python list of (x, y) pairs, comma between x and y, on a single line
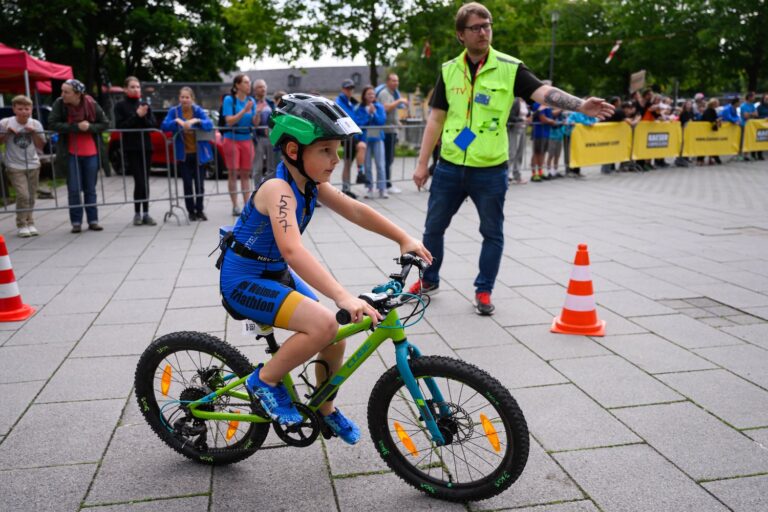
[(475, 29)]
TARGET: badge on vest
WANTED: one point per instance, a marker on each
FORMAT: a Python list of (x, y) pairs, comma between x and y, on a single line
[(464, 138), (482, 99)]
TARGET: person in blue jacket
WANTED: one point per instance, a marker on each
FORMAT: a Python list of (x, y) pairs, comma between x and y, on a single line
[(730, 112), (354, 148), (371, 117), (184, 120)]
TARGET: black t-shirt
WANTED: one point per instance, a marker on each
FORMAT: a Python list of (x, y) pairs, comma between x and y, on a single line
[(525, 85)]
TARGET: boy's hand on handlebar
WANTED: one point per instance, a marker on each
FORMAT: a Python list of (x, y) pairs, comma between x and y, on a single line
[(416, 247), (357, 308)]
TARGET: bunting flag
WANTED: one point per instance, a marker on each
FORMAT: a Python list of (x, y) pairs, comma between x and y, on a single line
[(426, 52), (613, 51)]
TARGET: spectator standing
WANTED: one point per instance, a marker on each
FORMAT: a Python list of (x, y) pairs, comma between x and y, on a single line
[(710, 116), (265, 153), (542, 121), (573, 119), (23, 136), (762, 113), (371, 117), (686, 115), (555, 144), (79, 120), (518, 120), (239, 110), (472, 121), (190, 153), (699, 105), (730, 112), (354, 148), (134, 114), (748, 111), (389, 96), (617, 117)]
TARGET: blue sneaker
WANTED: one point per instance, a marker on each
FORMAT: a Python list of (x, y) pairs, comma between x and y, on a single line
[(343, 427), (274, 400)]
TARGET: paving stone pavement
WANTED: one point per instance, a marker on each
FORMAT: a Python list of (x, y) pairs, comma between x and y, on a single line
[(668, 411)]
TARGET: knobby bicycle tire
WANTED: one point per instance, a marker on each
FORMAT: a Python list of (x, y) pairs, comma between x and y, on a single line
[(175, 351), (484, 419)]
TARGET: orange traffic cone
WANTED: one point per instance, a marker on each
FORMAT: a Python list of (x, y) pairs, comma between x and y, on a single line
[(12, 309), (579, 315)]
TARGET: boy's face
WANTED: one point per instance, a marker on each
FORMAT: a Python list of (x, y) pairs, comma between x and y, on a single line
[(320, 159), (22, 113)]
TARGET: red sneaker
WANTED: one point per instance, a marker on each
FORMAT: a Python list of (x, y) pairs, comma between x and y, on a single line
[(423, 288), (483, 304)]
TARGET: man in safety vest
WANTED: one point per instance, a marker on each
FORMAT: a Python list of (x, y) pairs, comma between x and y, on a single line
[(470, 106)]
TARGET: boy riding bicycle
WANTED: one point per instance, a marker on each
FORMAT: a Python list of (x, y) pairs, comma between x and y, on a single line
[(264, 265)]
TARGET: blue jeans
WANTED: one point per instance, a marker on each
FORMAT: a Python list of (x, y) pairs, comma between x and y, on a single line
[(193, 178), (375, 151), (487, 188), (390, 140), (82, 178)]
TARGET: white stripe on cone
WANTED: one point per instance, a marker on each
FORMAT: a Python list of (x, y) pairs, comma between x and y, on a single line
[(5, 263), (580, 273), (9, 290), (579, 302)]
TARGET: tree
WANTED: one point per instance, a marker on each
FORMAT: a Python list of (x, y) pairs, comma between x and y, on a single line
[(349, 28), (152, 39)]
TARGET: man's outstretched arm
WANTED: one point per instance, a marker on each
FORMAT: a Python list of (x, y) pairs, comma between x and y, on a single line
[(554, 97)]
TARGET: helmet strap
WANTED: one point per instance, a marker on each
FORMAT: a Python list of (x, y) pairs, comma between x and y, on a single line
[(311, 185)]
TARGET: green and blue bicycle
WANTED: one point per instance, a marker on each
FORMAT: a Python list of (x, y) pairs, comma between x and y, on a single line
[(443, 425)]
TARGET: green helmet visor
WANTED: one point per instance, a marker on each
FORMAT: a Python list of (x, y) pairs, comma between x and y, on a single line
[(309, 118)]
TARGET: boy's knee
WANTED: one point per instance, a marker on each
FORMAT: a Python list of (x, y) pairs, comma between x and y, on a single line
[(326, 327)]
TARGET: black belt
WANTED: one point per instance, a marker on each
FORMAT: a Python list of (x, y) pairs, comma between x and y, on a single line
[(229, 242)]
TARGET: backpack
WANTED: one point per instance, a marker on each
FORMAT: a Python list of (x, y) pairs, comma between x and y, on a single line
[(222, 117)]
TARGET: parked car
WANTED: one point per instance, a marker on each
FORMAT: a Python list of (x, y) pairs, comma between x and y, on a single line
[(162, 158)]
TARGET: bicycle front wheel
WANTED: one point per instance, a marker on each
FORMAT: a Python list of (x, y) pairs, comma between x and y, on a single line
[(485, 432), (183, 367)]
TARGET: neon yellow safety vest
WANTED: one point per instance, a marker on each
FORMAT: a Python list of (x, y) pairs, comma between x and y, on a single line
[(484, 108)]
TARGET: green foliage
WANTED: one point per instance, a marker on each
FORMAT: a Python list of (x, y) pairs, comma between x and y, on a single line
[(152, 39), (701, 45)]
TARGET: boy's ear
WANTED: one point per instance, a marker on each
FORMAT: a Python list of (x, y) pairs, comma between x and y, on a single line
[(292, 150)]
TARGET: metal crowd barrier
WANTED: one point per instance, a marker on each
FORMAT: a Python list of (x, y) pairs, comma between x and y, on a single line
[(410, 133)]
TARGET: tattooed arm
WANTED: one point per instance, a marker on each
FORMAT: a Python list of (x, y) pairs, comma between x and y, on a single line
[(554, 97)]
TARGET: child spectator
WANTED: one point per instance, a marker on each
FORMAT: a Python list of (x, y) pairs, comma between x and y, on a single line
[(575, 118), (22, 136), (370, 115), (555, 144), (190, 153), (79, 120), (268, 263), (542, 120)]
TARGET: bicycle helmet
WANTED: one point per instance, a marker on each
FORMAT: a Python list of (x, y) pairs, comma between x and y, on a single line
[(305, 119)]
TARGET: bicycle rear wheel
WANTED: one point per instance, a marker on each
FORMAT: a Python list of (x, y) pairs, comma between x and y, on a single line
[(486, 434), (182, 367)]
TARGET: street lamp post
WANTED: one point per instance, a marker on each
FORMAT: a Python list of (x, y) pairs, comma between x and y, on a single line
[(555, 18)]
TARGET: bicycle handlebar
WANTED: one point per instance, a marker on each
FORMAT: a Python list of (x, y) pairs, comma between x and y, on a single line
[(406, 261)]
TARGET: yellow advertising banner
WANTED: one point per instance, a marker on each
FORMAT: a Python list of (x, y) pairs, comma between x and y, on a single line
[(756, 135), (601, 143), (699, 139), (657, 139)]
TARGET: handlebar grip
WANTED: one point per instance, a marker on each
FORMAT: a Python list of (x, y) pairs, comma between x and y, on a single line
[(343, 317)]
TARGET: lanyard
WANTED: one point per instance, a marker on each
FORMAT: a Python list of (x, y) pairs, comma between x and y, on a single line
[(472, 80)]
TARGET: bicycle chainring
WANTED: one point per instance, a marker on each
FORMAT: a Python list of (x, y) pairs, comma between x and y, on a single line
[(302, 434)]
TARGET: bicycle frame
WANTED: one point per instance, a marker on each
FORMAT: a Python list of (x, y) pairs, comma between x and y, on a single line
[(389, 328)]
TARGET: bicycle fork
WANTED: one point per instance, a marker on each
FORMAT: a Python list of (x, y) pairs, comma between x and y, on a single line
[(402, 351)]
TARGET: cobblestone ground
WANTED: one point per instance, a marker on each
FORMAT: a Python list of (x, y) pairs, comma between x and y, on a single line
[(667, 412)]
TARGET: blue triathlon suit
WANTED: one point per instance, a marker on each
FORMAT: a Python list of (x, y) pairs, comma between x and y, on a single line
[(264, 291)]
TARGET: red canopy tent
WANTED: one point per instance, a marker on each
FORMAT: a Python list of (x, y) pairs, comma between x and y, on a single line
[(19, 71)]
